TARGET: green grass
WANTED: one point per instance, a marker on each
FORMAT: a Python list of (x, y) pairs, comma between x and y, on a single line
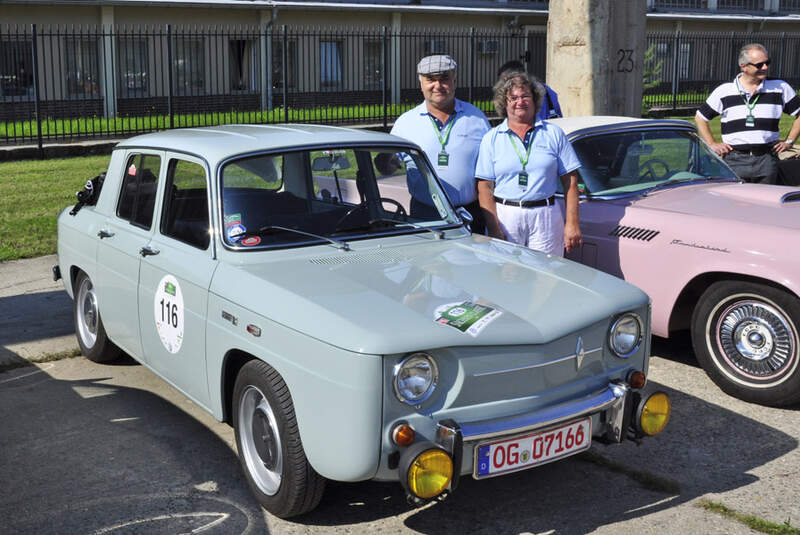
[(32, 194), (751, 521), (102, 126)]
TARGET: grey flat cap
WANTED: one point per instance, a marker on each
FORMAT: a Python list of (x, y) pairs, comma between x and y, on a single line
[(436, 64)]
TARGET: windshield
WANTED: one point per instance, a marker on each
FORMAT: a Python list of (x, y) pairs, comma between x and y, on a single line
[(329, 195), (629, 162)]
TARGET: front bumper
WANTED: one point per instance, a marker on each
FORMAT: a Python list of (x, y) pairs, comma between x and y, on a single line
[(612, 411)]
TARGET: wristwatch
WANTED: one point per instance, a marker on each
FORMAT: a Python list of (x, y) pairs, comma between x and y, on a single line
[(789, 140)]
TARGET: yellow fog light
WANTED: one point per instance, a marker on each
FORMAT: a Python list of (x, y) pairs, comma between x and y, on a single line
[(430, 473), (653, 414)]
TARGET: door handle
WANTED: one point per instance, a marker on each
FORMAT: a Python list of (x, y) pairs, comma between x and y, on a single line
[(105, 234), (148, 251)]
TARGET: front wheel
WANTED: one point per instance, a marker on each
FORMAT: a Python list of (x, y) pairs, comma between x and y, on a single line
[(89, 329), (745, 335), (269, 445)]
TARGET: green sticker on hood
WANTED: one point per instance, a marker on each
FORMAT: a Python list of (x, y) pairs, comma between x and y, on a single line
[(467, 317)]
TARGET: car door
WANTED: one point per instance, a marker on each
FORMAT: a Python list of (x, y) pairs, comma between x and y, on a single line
[(122, 236), (175, 275)]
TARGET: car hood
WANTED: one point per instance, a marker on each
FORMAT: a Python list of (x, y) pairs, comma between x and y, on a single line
[(755, 203), (389, 299)]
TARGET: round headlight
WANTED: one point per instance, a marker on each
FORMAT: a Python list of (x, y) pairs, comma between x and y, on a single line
[(415, 378), (626, 335)]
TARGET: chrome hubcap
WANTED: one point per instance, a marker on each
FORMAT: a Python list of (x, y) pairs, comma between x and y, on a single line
[(87, 313), (260, 441), (756, 339)]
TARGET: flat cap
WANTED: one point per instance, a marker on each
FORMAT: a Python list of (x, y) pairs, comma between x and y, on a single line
[(436, 64)]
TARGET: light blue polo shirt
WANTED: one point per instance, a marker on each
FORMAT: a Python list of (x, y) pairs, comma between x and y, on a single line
[(458, 177), (552, 156)]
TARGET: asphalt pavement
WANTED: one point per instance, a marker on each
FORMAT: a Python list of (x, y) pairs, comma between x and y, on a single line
[(91, 448)]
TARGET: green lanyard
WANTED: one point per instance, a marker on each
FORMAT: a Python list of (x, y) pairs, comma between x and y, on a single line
[(450, 123), (750, 120), (523, 156)]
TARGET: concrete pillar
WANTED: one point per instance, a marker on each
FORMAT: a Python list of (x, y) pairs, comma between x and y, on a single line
[(107, 74), (595, 51), (265, 19)]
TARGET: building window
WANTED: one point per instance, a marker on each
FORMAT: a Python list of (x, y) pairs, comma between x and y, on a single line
[(83, 70), (373, 65), (133, 60), (242, 54), (189, 64), (277, 64), (330, 55), (16, 69)]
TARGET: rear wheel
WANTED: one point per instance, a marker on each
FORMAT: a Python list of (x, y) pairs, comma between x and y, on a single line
[(269, 445), (745, 336), (89, 329)]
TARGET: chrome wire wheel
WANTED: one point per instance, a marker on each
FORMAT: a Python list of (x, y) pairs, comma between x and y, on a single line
[(260, 441), (755, 340), (86, 314)]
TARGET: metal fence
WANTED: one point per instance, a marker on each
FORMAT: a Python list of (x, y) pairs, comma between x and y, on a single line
[(69, 83), (686, 67), (62, 84)]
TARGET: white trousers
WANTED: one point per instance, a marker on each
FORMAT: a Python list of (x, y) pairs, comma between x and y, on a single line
[(540, 227)]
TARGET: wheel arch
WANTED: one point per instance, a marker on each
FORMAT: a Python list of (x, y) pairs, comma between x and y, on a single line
[(680, 317), (233, 361)]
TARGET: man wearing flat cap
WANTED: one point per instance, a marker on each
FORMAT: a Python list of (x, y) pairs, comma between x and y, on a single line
[(450, 132)]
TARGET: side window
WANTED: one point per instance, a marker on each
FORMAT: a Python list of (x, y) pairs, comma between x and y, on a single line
[(138, 196), (185, 213)]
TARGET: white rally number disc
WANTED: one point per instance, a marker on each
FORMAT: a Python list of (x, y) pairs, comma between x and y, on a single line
[(168, 311)]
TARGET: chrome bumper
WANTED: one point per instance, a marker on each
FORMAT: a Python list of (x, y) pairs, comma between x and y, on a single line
[(611, 401)]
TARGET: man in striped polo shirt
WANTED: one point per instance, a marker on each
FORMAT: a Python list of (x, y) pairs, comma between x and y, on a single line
[(751, 107)]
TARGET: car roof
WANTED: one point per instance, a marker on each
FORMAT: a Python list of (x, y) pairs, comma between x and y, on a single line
[(571, 125), (215, 143)]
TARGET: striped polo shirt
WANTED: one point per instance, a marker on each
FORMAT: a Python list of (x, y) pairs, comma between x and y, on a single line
[(775, 97)]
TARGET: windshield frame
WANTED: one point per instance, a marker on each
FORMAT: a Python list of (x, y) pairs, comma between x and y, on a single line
[(398, 230)]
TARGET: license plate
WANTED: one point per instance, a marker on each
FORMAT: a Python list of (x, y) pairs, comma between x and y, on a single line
[(519, 453)]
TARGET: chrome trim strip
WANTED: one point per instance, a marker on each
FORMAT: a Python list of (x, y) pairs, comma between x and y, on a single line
[(613, 397), (539, 365)]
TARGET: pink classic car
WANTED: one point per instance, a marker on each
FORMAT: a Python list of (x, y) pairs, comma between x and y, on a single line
[(717, 256)]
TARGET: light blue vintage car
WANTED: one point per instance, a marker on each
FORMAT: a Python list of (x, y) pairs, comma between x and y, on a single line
[(313, 287)]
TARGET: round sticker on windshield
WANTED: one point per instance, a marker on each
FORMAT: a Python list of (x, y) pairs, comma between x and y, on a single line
[(168, 311)]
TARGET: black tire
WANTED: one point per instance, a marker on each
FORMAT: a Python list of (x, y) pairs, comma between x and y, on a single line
[(276, 467), (745, 335), (89, 329)]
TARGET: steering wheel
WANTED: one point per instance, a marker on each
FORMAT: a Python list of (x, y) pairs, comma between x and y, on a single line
[(364, 205), (648, 169)]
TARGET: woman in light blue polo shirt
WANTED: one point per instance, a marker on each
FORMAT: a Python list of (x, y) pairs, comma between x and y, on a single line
[(519, 164)]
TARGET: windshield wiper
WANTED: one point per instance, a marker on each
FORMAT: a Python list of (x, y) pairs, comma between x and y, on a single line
[(436, 232), (339, 244)]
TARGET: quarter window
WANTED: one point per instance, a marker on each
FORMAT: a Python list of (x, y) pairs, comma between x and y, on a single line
[(139, 186)]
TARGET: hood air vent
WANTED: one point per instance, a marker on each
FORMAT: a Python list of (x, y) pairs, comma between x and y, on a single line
[(634, 233), (379, 257), (791, 197)]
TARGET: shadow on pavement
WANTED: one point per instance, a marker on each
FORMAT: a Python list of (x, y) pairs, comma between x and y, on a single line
[(29, 317), (87, 456)]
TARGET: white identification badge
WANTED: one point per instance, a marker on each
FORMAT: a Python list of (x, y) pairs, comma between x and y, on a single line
[(168, 312)]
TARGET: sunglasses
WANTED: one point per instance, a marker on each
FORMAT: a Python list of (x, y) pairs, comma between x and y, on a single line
[(760, 64)]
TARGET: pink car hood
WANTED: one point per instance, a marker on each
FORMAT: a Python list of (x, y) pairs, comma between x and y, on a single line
[(754, 203)]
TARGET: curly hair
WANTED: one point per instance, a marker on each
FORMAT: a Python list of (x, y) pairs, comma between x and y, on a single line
[(511, 79)]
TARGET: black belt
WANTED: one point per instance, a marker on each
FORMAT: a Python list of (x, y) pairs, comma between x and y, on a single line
[(527, 204), (754, 150)]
